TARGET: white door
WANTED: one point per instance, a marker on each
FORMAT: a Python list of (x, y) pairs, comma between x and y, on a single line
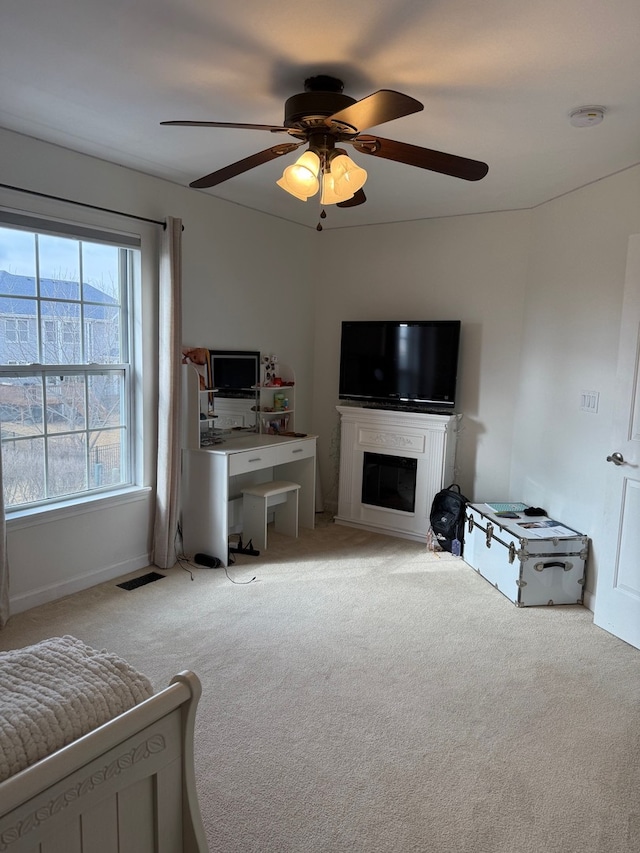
[(617, 605)]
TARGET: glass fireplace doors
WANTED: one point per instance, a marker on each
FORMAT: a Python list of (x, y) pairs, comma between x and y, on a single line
[(389, 481)]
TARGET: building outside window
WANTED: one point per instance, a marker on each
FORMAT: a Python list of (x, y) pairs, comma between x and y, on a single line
[(66, 382)]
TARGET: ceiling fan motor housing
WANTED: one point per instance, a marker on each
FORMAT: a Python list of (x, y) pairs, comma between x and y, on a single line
[(309, 108)]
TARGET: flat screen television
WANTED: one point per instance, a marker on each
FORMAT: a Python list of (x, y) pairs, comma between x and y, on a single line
[(411, 363), (234, 369)]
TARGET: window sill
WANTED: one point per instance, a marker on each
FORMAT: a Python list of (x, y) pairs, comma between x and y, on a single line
[(77, 507)]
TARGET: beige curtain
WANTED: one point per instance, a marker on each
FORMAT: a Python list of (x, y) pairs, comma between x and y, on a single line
[(169, 396), (4, 566)]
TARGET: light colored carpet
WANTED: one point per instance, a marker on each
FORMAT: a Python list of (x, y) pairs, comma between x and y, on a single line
[(364, 695)]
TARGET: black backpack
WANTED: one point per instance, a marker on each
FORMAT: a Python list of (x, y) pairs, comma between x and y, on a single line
[(448, 516)]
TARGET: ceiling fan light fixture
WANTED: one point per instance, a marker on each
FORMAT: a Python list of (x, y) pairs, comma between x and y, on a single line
[(348, 176), (321, 118), (301, 178), (329, 194), (283, 185)]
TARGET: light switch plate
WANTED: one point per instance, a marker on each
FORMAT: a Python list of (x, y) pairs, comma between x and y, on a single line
[(589, 401)]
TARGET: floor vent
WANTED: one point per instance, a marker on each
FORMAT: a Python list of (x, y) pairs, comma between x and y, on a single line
[(141, 581)]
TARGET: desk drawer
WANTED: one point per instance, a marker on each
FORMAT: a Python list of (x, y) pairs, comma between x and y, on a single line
[(295, 451), (253, 460)]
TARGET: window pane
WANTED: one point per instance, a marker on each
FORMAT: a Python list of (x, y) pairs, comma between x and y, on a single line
[(59, 268), (66, 409), (17, 262), (106, 459), (100, 272), (67, 465), (72, 452), (103, 344), (62, 340), (21, 406), (106, 400), (23, 471), (18, 331)]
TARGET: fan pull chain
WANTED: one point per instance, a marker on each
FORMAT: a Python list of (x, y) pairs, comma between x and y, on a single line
[(323, 215)]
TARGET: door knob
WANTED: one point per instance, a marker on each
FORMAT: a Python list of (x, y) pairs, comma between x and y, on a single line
[(616, 458)]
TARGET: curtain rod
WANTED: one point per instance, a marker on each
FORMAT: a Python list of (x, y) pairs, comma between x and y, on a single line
[(84, 204)]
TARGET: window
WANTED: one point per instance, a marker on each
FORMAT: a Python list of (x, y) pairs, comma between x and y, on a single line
[(16, 331), (65, 360)]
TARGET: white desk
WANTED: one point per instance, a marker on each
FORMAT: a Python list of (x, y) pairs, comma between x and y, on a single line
[(213, 479)]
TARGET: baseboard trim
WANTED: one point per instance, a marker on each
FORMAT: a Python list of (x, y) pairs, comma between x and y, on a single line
[(52, 592)]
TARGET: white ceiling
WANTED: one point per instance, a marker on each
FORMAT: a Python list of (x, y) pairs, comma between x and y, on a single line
[(498, 80)]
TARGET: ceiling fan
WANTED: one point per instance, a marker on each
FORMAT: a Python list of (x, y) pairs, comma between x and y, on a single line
[(323, 118)]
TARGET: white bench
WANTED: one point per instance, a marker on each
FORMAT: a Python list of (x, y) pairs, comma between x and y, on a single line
[(280, 496)]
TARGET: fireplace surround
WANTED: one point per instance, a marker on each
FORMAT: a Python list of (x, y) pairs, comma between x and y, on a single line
[(392, 463)]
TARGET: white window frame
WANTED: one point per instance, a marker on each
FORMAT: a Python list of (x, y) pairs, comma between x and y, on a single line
[(129, 369)]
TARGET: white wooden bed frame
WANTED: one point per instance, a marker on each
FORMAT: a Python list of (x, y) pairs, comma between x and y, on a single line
[(126, 787)]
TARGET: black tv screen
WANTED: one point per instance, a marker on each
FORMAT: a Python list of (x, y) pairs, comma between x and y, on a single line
[(234, 369), (405, 362)]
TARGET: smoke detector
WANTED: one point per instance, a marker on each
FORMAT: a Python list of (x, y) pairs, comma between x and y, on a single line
[(586, 116)]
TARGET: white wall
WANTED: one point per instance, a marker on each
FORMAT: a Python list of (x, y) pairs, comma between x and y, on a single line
[(570, 344), (468, 268), (246, 286)]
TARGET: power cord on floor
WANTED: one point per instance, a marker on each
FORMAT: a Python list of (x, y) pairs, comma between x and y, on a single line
[(187, 564)]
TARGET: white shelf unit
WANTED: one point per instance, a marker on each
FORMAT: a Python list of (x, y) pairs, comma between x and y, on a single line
[(208, 418), (277, 403), (194, 402)]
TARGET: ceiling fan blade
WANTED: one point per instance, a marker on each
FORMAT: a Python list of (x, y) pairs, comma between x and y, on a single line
[(423, 158), (241, 166), (384, 105), (357, 198), (237, 125)]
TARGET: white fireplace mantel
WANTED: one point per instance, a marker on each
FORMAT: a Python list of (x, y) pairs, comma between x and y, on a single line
[(428, 438)]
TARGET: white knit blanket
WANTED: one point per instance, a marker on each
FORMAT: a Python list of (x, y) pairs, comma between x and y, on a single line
[(56, 691)]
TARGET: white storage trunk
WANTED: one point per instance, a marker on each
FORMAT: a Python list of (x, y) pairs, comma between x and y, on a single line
[(530, 566)]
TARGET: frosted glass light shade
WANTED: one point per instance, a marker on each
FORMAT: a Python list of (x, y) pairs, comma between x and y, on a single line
[(348, 176), (287, 188), (329, 195), (301, 179)]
